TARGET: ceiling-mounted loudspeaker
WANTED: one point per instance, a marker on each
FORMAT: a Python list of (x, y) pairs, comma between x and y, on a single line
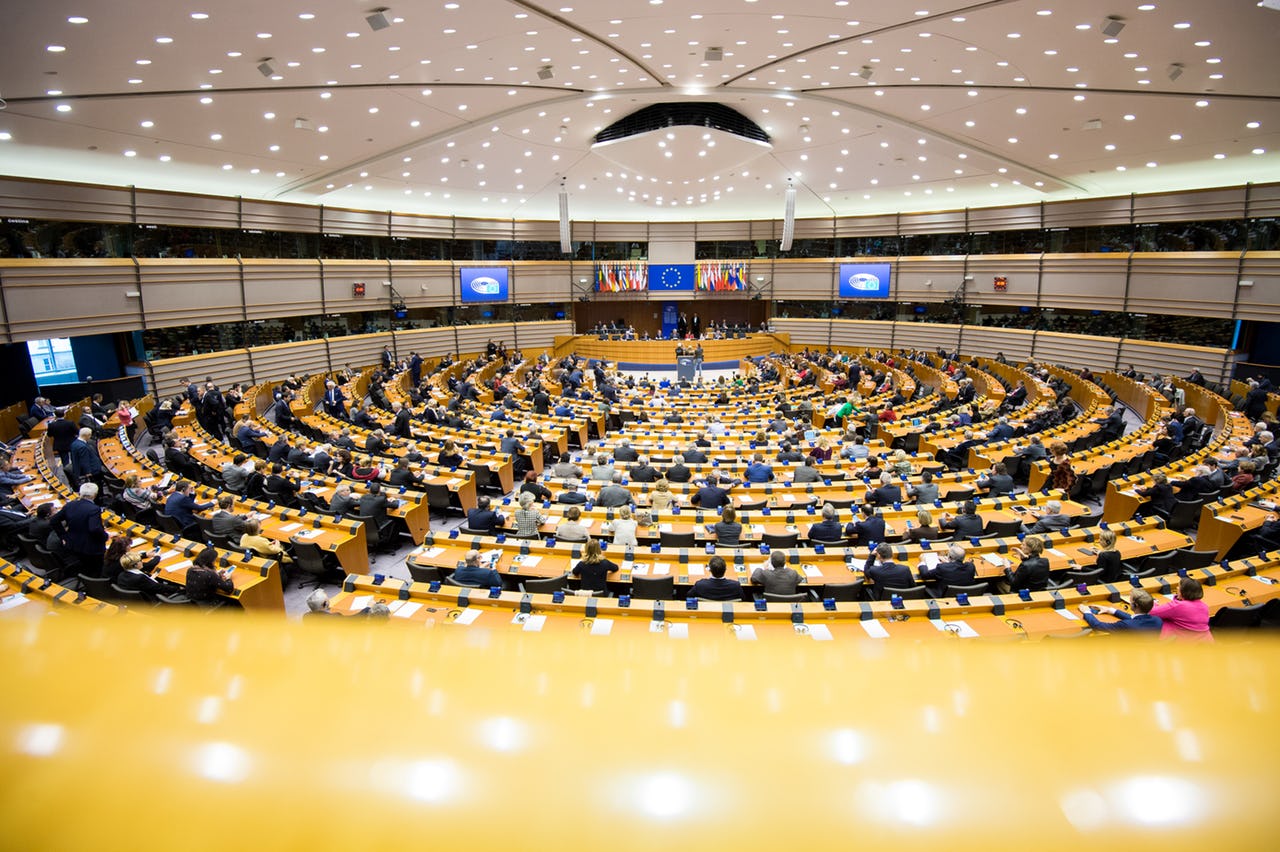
[(566, 244), (789, 218), (1174, 71), (866, 72), (265, 68), (378, 20), (546, 72), (1270, 4), (1112, 25), (714, 54), (302, 124)]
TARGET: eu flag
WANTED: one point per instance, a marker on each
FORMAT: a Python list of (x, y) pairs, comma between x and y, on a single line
[(671, 276)]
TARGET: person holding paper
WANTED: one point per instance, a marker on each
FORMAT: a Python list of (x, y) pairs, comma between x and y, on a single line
[(955, 570), (884, 573), (1051, 520), (593, 569)]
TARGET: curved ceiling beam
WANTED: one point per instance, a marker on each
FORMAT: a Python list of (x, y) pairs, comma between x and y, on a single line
[(913, 22), (570, 25)]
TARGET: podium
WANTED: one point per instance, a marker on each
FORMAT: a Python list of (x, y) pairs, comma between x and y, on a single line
[(685, 368)]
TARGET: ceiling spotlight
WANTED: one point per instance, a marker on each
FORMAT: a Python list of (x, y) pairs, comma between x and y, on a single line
[(265, 68), (546, 72), (377, 20), (865, 73), (1174, 71), (1112, 25), (714, 54)]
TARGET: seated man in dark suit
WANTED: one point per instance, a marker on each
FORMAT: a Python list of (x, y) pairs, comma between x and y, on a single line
[(678, 472), (883, 572), (624, 452), (955, 570), (828, 529), (998, 482), (886, 493), (1050, 520), (472, 573), (402, 477), (483, 519), (712, 496), (867, 530), (643, 471), (278, 483), (375, 504), (694, 455), (571, 494), (967, 524), (716, 587), (343, 501)]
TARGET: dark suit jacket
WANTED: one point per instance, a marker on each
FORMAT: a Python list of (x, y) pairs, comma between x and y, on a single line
[(63, 432), (866, 530), (964, 526), (79, 525), (679, 473), (885, 574), (949, 573)]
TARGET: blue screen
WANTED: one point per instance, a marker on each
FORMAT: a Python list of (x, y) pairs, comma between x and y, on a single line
[(484, 283), (864, 280)]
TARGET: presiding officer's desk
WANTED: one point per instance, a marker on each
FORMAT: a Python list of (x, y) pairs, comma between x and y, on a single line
[(664, 351)]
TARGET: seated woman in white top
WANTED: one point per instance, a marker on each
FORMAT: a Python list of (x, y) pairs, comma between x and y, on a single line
[(624, 528), (569, 529)]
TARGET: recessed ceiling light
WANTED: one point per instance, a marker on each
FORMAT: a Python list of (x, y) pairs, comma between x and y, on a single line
[(216, 137), (63, 107), (77, 19), (1176, 137), (164, 158), (1083, 26), (1259, 150), (1203, 43), (131, 153), (200, 16), (1146, 7), (1219, 156), (148, 123), (264, 35), (1182, 25), (206, 101), (1202, 103), (1130, 117), (1253, 125), (55, 48), (164, 40), (142, 61), (306, 16), (226, 167), (273, 148)]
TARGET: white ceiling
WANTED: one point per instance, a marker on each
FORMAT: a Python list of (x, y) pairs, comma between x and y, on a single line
[(969, 104)]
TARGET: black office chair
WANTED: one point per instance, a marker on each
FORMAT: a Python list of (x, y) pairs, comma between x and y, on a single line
[(1185, 514), (798, 597), (970, 590), (1237, 617), (1158, 563), (1088, 576), (126, 596), (843, 591), (423, 573), (95, 587), (1002, 528), (378, 537), (166, 523), (917, 592), (1187, 558), (675, 539), (313, 502), (545, 586), (309, 559), (783, 540), (653, 588), (454, 582)]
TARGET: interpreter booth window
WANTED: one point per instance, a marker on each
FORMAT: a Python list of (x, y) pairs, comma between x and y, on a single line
[(52, 360)]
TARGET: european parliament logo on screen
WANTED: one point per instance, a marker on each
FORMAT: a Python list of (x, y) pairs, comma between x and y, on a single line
[(864, 280), (671, 276), (484, 284)]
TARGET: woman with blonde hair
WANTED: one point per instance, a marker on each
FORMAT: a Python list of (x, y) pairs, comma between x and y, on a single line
[(661, 498), (901, 464), (624, 527), (593, 569), (1108, 557), (925, 527)]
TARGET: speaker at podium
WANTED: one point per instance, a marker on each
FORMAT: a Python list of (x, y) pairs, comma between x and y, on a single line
[(686, 367)]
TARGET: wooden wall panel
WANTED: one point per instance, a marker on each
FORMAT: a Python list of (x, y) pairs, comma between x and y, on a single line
[(425, 283), (483, 229), (278, 216), (544, 281), (944, 222), (1261, 301), (1084, 280), (473, 339), (1192, 284), (711, 231), (64, 202), (805, 332), (542, 231), (867, 226), (282, 288), (340, 275), (1016, 343), (340, 220), (225, 368), (815, 229), (533, 337), (1022, 274), (1077, 350), (1190, 206), (804, 279), (1171, 359), (427, 342), (1087, 211), (69, 298), (175, 208), (275, 363), (616, 231), (358, 350), (927, 336), (926, 279), (1019, 218), (1264, 200), (190, 292), (425, 227)]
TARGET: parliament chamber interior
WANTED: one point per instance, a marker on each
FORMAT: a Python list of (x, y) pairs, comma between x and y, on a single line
[(865, 409)]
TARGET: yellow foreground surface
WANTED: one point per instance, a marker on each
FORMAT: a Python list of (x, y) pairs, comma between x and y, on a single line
[(210, 732)]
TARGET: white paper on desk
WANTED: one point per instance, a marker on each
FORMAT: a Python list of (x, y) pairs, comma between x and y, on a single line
[(359, 602), (532, 623), (1068, 615), (602, 627), (1266, 581), (288, 528), (757, 529), (178, 566), (432, 552), (660, 568), (874, 629), (790, 498), (994, 558), (678, 630), (929, 559), (309, 533), (696, 570), (664, 527), (467, 616), (137, 542), (959, 628), (657, 626), (529, 560), (820, 632), (812, 571), (745, 632), (395, 605), (165, 480), (1056, 552), (13, 601), (639, 568), (453, 483)]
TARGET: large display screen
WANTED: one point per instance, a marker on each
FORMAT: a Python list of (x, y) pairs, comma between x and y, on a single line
[(864, 280), (484, 284)]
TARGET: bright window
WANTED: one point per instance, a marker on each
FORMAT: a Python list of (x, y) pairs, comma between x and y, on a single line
[(52, 360)]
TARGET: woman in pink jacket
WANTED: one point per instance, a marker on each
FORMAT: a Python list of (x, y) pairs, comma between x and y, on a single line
[(1187, 615)]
